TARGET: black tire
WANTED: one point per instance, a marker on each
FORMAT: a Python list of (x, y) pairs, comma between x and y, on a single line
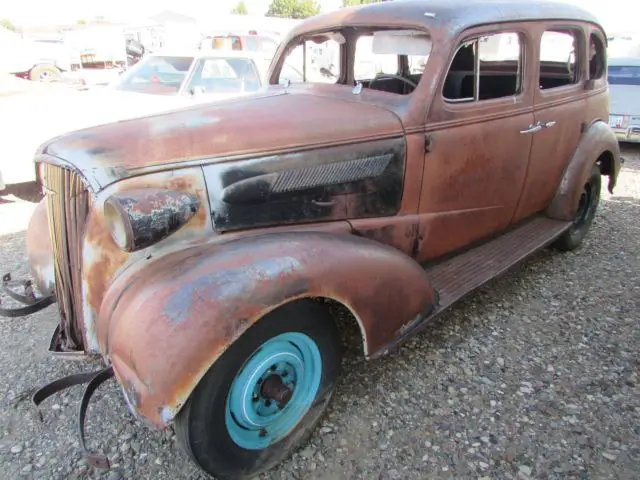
[(589, 201), (200, 425), (44, 73)]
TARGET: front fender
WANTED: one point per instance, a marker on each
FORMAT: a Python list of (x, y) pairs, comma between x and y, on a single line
[(165, 325), (596, 141)]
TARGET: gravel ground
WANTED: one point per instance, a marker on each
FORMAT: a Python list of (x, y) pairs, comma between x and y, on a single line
[(534, 376)]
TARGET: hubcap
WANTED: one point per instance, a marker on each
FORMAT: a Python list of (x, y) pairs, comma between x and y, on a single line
[(273, 390)]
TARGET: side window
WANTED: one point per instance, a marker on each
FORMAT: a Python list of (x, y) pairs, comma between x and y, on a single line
[(597, 57), (558, 59), (485, 68)]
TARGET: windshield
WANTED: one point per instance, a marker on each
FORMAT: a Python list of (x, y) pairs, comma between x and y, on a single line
[(624, 75), (223, 76), (161, 75)]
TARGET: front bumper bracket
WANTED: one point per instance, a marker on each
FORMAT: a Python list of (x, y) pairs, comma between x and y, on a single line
[(32, 304), (94, 380)]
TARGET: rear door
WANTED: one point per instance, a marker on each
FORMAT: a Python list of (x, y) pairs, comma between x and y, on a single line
[(560, 100)]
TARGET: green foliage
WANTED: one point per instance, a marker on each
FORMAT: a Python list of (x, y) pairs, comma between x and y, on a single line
[(81, 21), (240, 9), (293, 8), (6, 23), (351, 3)]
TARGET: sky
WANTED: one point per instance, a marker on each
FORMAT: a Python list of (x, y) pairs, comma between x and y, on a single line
[(615, 15)]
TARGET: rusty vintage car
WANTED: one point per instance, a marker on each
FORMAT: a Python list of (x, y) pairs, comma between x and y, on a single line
[(199, 252)]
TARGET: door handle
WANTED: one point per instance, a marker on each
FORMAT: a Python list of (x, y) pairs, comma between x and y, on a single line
[(319, 203), (532, 129), (549, 124)]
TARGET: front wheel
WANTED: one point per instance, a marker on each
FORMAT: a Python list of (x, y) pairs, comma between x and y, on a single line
[(589, 200), (264, 396)]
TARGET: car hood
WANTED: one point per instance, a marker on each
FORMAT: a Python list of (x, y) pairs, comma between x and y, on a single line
[(40, 115), (267, 123)]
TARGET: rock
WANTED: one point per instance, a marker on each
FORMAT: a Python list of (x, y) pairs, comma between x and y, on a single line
[(16, 449), (610, 456), (307, 452), (525, 470)]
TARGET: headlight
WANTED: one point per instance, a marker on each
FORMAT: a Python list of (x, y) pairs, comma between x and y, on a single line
[(137, 219)]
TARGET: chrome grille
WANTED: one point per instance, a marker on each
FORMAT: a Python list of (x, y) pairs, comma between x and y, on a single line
[(68, 204)]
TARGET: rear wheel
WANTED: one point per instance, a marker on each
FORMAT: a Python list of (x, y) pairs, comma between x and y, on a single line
[(44, 73), (264, 396), (589, 200)]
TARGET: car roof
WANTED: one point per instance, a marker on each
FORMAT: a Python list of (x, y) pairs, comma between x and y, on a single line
[(624, 61), (454, 16)]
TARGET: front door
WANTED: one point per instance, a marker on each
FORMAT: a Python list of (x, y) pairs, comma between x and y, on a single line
[(559, 105), (479, 139)]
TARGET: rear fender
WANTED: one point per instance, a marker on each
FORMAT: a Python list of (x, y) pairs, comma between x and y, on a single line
[(599, 139), (167, 323)]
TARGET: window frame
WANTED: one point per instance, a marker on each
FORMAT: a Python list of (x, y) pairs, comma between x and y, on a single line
[(475, 39), (604, 65), (579, 51)]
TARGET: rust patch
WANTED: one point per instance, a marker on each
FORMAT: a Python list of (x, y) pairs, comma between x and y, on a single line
[(192, 304)]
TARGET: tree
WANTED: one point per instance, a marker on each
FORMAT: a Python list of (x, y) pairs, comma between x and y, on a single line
[(351, 3), (240, 9), (293, 8), (81, 21), (6, 23)]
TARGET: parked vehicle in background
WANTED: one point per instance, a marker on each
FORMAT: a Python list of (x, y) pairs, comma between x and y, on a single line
[(157, 83), (202, 254), (261, 47), (205, 75), (624, 94), (42, 61)]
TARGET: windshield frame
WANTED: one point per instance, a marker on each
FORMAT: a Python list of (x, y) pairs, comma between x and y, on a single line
[(351, 34)]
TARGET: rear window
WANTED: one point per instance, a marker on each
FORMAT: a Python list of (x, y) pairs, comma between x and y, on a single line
[(621, 75)]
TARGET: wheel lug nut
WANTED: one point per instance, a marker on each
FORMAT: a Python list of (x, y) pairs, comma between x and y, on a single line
[(263, 433), (273, 368), (285, 373), (267, 403)]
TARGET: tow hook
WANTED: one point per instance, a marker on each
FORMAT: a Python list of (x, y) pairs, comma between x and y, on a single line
[(94, 380), (32, 304)]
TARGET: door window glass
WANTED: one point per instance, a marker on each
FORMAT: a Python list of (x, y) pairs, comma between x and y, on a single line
[(558, 59), (486, 68)]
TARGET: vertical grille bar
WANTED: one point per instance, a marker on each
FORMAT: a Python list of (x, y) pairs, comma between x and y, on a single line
[(68, 205)]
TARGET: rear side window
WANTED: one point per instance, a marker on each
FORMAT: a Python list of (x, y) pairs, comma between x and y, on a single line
[(597, 57), (558, 59), (485, 68), (624, 75)]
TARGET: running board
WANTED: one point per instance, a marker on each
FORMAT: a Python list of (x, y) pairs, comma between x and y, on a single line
[(460, 275)]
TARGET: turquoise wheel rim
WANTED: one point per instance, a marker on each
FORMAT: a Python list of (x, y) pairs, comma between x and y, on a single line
[(273, 390)]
